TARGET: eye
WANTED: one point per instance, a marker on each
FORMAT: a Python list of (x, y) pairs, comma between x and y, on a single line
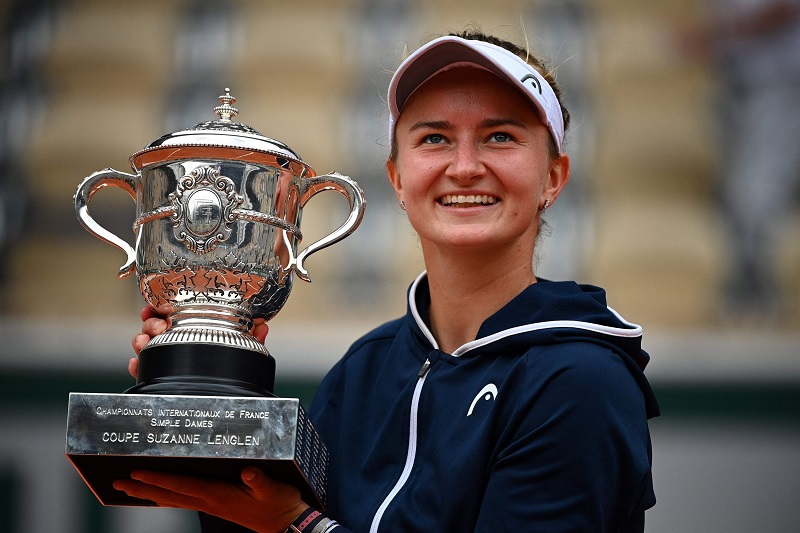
[(433, 138), (500, 137)]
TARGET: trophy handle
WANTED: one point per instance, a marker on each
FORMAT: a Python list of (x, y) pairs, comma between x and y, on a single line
[(86, 190), (355, 196)]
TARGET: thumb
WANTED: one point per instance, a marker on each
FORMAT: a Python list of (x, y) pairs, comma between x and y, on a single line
[(284, 500), (254, 478)]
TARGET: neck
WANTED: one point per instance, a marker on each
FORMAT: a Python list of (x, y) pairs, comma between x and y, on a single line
[(467, 289)]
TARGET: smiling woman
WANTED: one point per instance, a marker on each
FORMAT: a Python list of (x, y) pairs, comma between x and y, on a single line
[(500, 401), (467, 133)]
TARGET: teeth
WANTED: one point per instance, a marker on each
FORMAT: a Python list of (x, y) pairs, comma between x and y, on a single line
[(454, 199)]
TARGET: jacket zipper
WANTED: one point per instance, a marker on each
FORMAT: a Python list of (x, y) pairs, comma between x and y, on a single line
[(412, 448)]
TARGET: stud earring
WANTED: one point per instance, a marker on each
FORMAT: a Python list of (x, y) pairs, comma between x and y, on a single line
[(402, 205), (546, 204)]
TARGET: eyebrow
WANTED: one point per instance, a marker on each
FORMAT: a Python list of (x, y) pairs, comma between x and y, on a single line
[(495, 122), (432, 124), (486, 123)]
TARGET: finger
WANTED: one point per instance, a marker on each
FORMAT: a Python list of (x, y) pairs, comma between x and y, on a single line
[(139, 342), (255, 479), (158, 495), (154, 326), (265, 488), (191, 486), (160, 312), (147, 312), (260, 331), (284, 499), (133, 367)]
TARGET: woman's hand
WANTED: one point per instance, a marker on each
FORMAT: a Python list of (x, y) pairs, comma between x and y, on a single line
[(259, 502), (155, 321)]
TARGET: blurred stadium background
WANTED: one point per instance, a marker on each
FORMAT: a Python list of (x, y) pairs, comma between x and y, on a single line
[(85, 83)]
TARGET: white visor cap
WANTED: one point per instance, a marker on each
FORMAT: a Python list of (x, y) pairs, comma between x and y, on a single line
[(441, 53)]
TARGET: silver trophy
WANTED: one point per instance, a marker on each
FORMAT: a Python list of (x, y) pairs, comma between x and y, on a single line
[(217, 230)]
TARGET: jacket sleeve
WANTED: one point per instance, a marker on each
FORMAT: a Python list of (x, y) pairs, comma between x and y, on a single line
[(575, 455)]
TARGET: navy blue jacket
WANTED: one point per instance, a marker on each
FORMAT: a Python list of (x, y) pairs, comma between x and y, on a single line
[(538, 425)]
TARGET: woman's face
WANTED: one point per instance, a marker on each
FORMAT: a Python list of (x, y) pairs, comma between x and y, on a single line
[(473, 165)]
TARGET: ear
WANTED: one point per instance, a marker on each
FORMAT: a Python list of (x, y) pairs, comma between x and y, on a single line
[(394, 179), (556, 178)]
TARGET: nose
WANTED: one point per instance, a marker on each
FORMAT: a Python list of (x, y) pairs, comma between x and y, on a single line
[(466, 163)]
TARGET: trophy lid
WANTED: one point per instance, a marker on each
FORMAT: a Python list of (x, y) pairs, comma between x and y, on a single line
[(221, 139)]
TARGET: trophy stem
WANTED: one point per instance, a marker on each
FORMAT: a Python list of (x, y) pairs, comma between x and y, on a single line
[(206, 323), (211, 315)]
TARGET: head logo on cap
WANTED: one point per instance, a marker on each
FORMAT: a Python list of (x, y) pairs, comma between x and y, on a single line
[(534, 81)]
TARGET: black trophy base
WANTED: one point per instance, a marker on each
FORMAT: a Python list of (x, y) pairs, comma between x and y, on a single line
[(110, 435), (204, 370), (197, 409)]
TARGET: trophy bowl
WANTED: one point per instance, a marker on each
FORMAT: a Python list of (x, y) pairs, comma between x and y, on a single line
[(217, 230), (218, 213)]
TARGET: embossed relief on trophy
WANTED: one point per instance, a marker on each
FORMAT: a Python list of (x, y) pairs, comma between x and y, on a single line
[(203, 212)]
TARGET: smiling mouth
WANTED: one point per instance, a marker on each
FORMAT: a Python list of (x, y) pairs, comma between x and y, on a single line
[(467, 200)]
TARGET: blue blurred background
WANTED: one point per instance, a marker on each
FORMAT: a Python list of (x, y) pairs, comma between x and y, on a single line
[(682, 204)]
